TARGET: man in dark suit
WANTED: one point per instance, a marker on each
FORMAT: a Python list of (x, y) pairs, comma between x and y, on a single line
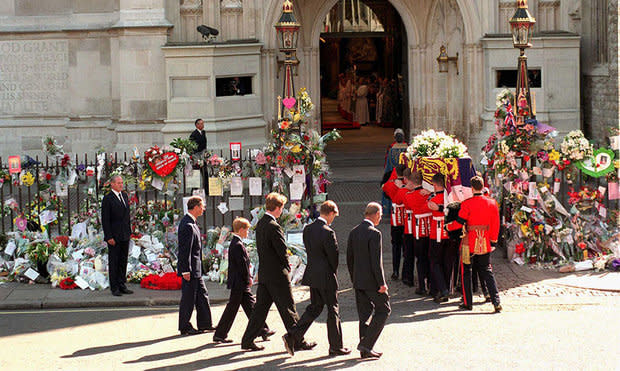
[(365, 263), (189, 266), (198, 136), (274, 284), (239, 282), (321, 275), (116, 233)]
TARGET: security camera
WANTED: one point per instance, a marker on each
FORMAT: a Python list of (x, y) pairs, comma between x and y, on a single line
[(208, 33)]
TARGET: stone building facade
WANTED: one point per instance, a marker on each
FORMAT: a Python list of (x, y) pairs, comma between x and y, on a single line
[(124, 73)]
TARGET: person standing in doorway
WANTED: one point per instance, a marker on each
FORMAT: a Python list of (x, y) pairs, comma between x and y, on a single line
[(116, 233), (361, 104)]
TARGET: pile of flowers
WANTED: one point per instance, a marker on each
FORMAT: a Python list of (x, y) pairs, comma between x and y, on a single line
[(436, 144), (525, 171)]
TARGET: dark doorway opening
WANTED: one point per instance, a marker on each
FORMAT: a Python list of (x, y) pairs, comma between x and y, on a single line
[(363, 52)]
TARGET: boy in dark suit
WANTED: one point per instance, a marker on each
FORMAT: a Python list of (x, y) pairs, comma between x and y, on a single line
[(116, 233), (365, 263), (322, 276), (189, 266), (239, 282)]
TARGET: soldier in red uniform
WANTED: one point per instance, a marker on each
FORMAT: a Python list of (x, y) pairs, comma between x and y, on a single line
[(438, 254), (399, 199), (390, 188), (479, 216), (417, 202)]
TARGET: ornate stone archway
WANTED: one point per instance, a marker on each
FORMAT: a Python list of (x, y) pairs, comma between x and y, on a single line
[(416, 16)]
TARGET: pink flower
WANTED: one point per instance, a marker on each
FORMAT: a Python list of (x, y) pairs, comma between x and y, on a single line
[(260, 159)]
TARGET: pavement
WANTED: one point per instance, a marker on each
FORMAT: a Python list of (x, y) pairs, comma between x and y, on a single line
[(356, 162)]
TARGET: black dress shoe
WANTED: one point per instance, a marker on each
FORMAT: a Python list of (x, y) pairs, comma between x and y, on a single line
[(125, 290), (305, 345), (420, 292), (190, 331), (370, 355), (289, 344), (395, 276), (465, 307), (218, 339), (117, 293), (339, 352), (267, 335), (498, 308), (206, 329), (441, 298), (252, 347)]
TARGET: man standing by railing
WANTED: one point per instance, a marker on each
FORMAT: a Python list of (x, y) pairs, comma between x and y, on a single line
[(116, 233)]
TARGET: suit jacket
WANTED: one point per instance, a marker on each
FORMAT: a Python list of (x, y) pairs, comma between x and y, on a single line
[(190, 248), (115, 217), (238, 265), (365, 258), (271, 246), (199, 139), (322, 250)]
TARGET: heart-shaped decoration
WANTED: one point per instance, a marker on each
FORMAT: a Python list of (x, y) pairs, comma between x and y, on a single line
[(601, 163), (164, 164), (289, 102)]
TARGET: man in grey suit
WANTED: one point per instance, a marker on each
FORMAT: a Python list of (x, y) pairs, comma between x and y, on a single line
[(365, 263), (321, 275)]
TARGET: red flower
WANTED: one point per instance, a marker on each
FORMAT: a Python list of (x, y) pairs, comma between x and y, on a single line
[(582, 245), (520, 248), (48, 176), (526, 158), (64, 240), (67, 284)]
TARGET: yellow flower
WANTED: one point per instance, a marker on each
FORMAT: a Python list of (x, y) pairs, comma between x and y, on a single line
[(296, 149), (297, 117), (27, 179), (554, 155)]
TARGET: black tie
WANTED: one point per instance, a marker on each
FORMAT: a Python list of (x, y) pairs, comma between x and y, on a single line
[(122, 201)]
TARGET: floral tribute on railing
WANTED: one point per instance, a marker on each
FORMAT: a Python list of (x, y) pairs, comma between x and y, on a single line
[(528, 173), (47, 245)]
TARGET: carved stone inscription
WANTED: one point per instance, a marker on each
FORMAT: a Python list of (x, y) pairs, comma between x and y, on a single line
[(34, 77)]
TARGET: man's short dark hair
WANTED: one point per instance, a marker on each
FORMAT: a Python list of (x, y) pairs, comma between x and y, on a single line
[(407, 173), (415, 177), (196, 122), (439, 179), (400, 168), (193, 202), (274, 200), (477, 183), (328, 207)]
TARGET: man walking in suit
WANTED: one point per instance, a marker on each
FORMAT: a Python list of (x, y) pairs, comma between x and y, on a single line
[(321, 275), (274, 284), (198, 136), (116, 233), (239, 282), (189, 266), (365, 263)]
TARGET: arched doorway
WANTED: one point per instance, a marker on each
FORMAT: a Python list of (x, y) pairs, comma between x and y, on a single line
[(363, 66)]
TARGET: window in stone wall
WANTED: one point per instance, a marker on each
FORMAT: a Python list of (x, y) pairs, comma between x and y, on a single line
[(236, 85), (508, 78), (598, 19)]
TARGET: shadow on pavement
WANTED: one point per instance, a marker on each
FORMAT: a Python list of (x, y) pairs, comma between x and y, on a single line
[(26, 322), (222, 360), (178, 353)]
